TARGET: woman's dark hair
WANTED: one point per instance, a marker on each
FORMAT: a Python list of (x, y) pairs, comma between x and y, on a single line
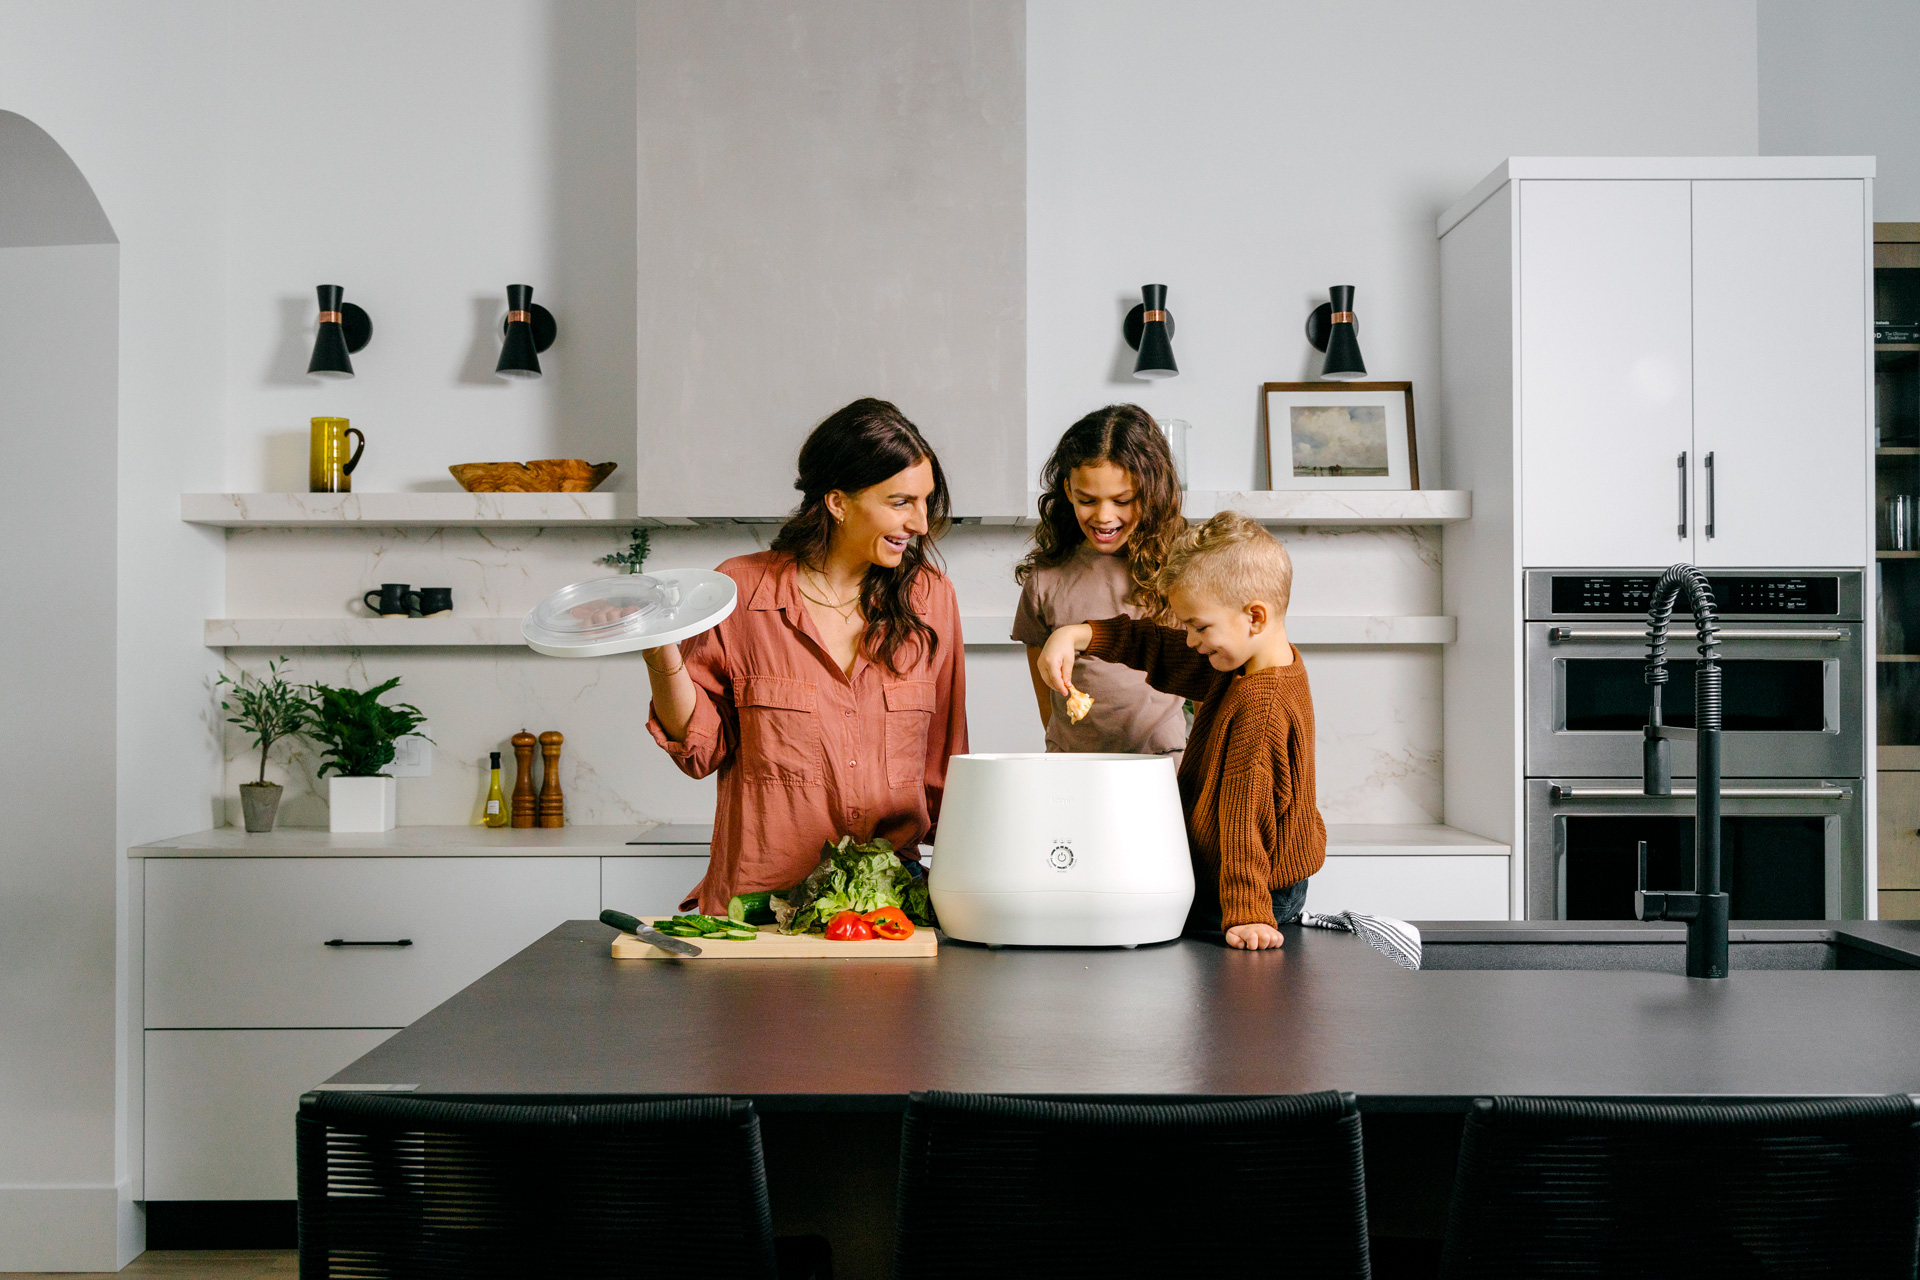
[(1127, 436), (859, 446)]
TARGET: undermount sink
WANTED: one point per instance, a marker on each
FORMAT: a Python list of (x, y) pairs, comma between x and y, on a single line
[(1629, 946)]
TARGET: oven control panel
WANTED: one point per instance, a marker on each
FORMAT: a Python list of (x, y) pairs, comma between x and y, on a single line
[(1735, 595)]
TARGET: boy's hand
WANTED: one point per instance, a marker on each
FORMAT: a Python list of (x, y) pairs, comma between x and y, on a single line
[(1055, 663), (1255, 937)]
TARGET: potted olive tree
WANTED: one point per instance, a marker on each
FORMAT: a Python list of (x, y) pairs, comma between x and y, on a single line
[(357, 731), (270, 709)]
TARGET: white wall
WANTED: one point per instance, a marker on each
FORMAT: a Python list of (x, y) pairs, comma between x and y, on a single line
[(133, 93), (1837, 77), (57, 354), (423, 156), (1250, 153)]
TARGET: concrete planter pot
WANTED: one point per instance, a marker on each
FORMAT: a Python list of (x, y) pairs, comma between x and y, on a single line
[(361, 804), (259, 803)]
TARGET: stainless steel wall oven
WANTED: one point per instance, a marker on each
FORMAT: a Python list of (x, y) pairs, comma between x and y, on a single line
[(1794, 747)]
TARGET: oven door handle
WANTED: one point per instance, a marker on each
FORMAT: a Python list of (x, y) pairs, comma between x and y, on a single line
[(1560, 635), (1561, 791)]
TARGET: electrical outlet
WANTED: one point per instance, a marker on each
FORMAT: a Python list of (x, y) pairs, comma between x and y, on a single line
[(412, 755)]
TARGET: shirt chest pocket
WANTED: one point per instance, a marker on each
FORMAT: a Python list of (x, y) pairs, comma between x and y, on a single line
[(779, 732), (909, 716)]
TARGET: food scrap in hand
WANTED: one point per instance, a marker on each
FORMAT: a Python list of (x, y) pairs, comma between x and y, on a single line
[(1078, 704)]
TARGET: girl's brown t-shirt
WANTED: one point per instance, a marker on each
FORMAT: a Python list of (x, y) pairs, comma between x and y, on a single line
[(1127, 714)]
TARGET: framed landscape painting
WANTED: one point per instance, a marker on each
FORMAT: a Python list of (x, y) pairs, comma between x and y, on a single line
[(1341, 435)]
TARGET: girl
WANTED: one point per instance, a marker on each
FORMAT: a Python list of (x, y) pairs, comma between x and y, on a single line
[(1109, 514)]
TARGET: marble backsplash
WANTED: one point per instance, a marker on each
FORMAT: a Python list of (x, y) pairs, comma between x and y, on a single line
[(1377, 706)]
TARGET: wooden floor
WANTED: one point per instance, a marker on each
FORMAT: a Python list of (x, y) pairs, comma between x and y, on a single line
[(194, 1264)]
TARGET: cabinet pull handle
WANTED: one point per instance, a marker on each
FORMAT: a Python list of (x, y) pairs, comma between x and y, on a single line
[(1682, 465), (351, 942), (1710, 504)]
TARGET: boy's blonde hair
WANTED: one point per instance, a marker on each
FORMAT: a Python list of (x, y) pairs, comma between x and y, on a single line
[(1233, 560)]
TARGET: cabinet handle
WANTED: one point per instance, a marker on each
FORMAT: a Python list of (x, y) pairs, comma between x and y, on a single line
[(1709, 465), (349, 942), (1682, 464)]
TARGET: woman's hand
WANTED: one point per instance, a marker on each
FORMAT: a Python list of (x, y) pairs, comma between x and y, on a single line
[(674, 697), (1055, 664)]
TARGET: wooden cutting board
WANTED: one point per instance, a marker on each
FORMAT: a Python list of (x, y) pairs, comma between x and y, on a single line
[(774, 945)]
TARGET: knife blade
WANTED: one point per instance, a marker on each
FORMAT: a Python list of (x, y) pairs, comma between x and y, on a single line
[(641, 930)]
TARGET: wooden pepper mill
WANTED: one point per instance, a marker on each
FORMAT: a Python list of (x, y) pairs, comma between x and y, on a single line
[(553, 805), (524, 803)]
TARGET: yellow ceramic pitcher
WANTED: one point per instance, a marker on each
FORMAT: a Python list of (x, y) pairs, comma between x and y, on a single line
[(331, 470)]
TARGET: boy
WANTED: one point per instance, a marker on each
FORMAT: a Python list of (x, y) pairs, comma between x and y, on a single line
[(1246, 780)]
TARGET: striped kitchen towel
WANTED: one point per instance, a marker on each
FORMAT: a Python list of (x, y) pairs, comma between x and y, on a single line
[(1397, 940)]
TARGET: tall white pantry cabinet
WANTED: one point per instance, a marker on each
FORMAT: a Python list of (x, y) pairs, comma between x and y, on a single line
[(1643, 361)]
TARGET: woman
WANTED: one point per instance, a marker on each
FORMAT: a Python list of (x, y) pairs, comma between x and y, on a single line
[(831, 698)]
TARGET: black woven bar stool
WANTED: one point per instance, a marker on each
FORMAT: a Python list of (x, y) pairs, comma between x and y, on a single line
[(1009, 1188), (1563, 1188), (404, 1187)]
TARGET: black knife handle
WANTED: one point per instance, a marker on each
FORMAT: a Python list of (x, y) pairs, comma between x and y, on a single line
[(620, 920)]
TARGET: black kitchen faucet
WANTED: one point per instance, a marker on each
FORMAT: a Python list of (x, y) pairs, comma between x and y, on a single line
[(1704, 909)]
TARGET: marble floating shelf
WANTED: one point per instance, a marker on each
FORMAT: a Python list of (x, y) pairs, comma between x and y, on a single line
[(588, 510), (388, 633)]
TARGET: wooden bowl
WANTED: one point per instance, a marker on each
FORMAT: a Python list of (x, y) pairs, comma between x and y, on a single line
[(548, 475)]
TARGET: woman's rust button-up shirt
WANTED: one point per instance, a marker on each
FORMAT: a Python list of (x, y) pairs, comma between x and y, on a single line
[(806, 753)]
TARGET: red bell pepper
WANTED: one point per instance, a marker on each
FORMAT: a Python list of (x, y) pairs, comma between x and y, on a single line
[(890, 922), (849, 927)]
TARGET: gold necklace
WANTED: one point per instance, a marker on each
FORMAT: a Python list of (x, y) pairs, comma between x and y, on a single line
[(845, 608)]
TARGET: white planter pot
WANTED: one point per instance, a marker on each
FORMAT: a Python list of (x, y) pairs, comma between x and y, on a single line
[(360, 804)]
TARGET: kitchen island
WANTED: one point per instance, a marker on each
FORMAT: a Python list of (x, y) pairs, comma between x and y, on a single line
[(829, 1049), (1182, 1020)]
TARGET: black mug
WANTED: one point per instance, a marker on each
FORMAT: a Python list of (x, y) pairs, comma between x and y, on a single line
[(435, 600), (395, 598)]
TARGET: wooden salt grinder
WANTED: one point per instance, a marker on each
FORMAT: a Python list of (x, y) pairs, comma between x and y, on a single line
[(553, 805), (524, 804)]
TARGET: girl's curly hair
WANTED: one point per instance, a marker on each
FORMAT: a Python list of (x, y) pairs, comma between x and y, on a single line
[(1127, 436)]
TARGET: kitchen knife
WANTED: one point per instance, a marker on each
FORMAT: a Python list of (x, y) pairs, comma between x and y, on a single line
[(640, 930)]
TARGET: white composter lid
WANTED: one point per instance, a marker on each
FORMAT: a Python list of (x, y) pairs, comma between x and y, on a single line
[(633, 611)]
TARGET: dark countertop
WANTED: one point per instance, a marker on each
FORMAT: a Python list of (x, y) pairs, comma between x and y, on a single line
[(1180, 1020)]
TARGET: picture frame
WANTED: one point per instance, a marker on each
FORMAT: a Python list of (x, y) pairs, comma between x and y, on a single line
[(1341, 435)]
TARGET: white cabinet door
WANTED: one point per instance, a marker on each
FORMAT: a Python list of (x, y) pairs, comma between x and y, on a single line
[(649, 886), (1605, 378), (241, 942), (1415, 887), (1780, 377), (220, 1107)]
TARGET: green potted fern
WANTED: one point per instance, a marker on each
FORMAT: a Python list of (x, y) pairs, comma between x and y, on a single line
[(356, 732), (270, 709)]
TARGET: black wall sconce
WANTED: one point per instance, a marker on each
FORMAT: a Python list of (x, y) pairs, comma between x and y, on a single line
[(529, 330), (1149, 330), (1330, 329), (344, 329)]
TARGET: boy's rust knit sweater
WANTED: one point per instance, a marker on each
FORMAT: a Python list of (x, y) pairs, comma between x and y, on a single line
[(1246, 780)]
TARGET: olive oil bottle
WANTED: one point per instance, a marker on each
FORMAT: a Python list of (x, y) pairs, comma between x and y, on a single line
[(496, 803)]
